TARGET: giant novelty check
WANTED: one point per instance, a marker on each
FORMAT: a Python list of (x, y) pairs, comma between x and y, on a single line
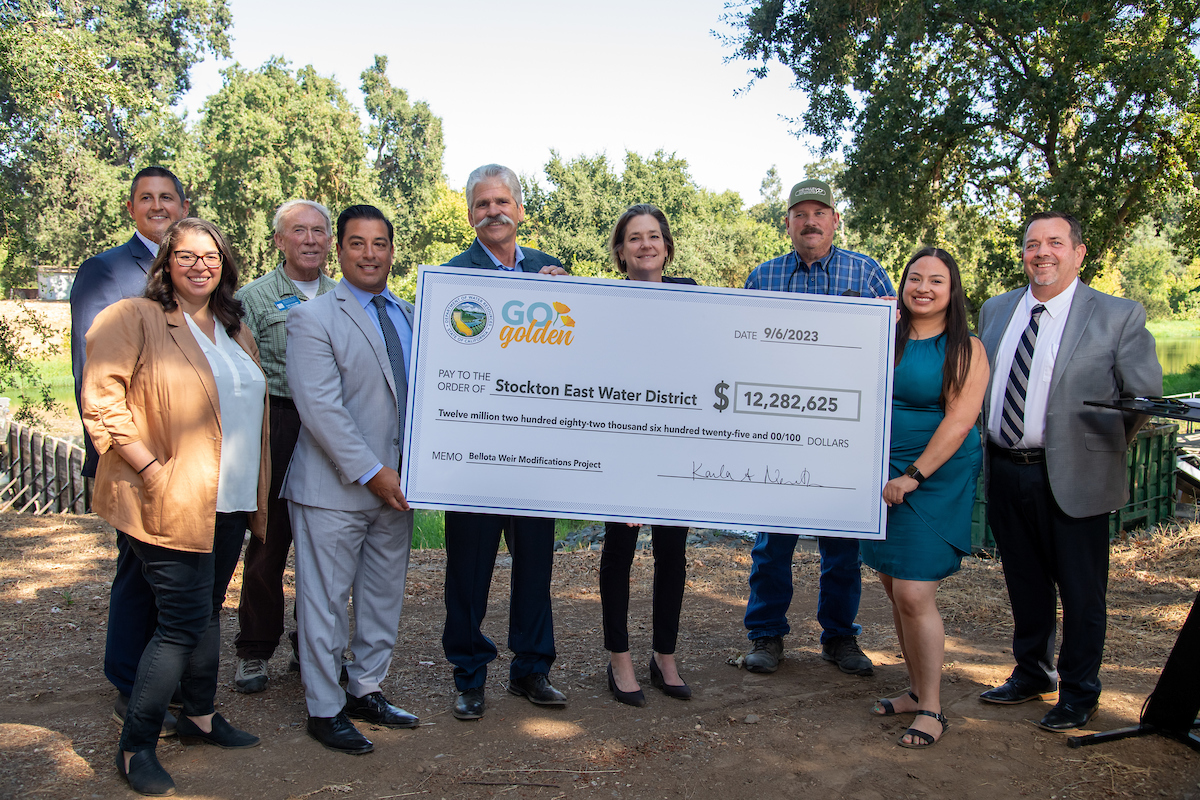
[(639, 402)]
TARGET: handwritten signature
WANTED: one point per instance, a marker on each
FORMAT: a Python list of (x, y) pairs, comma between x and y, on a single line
[(769, 475)]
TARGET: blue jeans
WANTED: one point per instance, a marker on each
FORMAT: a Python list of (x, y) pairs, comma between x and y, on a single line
[(771, 586), (189, 589)]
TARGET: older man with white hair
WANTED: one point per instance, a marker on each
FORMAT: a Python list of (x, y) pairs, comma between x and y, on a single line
[(303, 233), (472, 540)]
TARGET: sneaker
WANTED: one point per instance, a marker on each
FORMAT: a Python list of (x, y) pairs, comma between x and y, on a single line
[(765, 655), (251, 675), (845, 652)]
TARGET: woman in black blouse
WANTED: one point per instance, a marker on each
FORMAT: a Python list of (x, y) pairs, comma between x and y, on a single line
[(641, 246)]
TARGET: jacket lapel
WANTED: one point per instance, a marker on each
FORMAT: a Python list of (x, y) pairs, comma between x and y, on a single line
[(1077, 320), (186, 342), (358, 315), (141, 254)]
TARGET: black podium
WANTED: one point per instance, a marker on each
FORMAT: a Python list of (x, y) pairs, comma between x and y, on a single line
[(1174, 705)]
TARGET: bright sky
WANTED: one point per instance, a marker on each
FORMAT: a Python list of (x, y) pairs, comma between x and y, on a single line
[(511, 81)]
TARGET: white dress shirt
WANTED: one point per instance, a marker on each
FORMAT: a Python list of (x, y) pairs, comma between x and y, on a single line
[(1045, 351)]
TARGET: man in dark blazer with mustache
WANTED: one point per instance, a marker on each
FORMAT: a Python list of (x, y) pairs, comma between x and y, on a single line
[(494, 210), (1056, 467)]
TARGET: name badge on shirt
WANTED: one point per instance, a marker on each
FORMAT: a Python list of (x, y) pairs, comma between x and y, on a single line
[(287, 302)]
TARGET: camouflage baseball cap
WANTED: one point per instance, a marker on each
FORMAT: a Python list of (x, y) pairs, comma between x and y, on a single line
[(811, 189)]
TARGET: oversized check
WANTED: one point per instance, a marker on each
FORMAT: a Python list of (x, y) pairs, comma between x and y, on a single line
[(641, 402)]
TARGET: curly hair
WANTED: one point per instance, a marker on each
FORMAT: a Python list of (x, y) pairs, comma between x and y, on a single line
[(225, 307)]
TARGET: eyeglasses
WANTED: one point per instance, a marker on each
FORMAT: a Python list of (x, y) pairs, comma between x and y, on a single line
[(186, 258)]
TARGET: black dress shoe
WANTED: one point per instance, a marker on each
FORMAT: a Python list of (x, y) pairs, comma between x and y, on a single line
[(338, 733), (222, 734), (375, 708), (1068, 717), (1014, 691), (145, 775), (678, 691), (121, 706), (468, 704), (537, 689), (636, 699)]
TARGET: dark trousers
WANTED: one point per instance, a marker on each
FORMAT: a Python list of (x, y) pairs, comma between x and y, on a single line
[(1043, 548), (472, 541), (132, 618), (261, 610), (670, 572), (189, 589)]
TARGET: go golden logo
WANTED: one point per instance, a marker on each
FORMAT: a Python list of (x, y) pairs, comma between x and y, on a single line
[(468, 319), (536, 323)]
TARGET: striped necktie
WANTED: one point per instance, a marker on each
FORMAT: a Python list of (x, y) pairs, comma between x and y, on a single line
[(1012, 420), (395, 351)]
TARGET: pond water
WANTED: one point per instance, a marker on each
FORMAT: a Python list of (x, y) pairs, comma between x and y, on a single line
[(1176, 354)]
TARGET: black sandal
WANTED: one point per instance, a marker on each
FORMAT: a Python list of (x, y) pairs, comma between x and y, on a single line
[(922, 738), (888, 709)]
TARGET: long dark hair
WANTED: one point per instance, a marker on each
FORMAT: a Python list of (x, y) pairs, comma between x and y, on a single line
[(616, 242), (958, 335), (225, 307)]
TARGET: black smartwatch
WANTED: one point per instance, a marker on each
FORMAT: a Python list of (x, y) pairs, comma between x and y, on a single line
[(915, 474)]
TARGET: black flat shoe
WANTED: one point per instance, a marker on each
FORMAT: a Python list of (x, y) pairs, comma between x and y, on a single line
[(339, 734), (469, 704), (1014, 691), (679, 692), (920, 738), (375, 708), (536, 688), (1067, 717), (145, 776), (636, 699), (222, 734)]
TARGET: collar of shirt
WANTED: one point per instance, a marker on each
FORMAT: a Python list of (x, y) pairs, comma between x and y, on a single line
[(821, 263), (1060, 304), (364, 298), (516, 267), (151, 246)]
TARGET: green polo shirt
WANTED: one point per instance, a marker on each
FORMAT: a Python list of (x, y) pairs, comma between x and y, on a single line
[(264, 317)]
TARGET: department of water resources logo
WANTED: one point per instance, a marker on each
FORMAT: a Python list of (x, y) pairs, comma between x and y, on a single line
[(468, 319)]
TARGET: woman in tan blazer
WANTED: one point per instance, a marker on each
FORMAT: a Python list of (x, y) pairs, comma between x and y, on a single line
[(174, 400)]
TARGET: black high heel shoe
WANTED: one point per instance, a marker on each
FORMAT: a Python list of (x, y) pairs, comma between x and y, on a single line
[(680, 692), (636, 699)]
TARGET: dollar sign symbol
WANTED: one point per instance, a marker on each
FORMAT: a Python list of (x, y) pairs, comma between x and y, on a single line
[(722, 401)]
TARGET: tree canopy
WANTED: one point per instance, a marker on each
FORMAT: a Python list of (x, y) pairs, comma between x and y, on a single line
[(1004, 107)]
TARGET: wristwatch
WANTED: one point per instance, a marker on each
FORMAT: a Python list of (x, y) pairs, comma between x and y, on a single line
[(915, 474)]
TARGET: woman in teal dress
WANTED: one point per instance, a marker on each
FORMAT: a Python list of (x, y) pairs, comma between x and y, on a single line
[(941, 375)]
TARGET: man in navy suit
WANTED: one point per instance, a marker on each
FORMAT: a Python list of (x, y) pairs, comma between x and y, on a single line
[(494, 210), (156, 200)]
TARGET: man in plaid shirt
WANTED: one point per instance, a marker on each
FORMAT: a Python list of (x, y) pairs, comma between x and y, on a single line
[(814, 266), (303, 233)]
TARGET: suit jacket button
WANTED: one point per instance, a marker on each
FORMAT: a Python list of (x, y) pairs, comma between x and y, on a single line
[(396, 442)]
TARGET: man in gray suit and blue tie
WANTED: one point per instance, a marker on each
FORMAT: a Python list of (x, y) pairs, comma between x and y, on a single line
[(347, 367), (1057, 467)]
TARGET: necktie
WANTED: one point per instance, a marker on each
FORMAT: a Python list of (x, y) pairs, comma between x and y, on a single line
[(391, 341), (1012, 420)]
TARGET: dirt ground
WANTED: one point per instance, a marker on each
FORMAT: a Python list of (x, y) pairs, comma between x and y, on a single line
[(804, 731)]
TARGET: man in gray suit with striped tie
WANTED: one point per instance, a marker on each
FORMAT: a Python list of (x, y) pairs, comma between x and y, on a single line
[(1056, 466), (347, 358)]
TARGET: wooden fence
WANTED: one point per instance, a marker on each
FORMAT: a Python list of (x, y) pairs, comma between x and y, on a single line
[(40, 474)]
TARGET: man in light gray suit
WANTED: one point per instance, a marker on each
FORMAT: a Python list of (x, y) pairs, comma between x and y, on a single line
[(347, 357), (1057, 467)]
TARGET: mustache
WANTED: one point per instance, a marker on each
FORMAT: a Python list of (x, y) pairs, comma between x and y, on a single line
[(810, 229), (499, 219)]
